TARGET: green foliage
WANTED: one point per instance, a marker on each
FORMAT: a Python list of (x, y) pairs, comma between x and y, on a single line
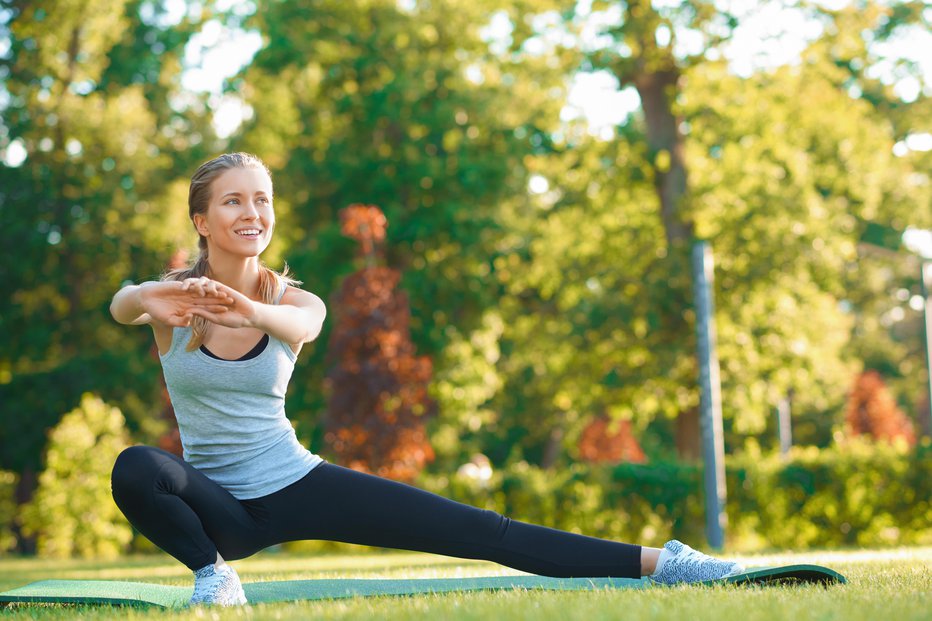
[(8, 481), (93, 205), (372, 103), (541, 308), (467, 382), (72, 512), (857, 493)]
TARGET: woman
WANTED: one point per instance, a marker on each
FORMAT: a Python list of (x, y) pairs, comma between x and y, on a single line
[(228, 331)]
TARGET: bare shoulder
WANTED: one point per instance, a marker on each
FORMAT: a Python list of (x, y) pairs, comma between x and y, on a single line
[(295, 296)]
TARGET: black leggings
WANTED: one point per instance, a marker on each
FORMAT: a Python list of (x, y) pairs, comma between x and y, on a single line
[(192, 518)]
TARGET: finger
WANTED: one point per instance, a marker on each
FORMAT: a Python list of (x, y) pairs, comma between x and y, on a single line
[(201, 312), (208, 301), (222, 297), (219, 289)]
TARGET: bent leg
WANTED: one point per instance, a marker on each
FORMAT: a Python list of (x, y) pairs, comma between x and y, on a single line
[(181, 510), (339, 504)]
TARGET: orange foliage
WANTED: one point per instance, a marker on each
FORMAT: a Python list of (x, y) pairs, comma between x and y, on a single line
[(379, 402), (598, 444), (873, 411), (364, 223)]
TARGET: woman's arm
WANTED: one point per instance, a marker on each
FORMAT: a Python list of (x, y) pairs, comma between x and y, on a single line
[(126, 307), (297, 320), (166, 302)]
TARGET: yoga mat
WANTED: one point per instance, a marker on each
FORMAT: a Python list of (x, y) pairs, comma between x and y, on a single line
[(118, 593)]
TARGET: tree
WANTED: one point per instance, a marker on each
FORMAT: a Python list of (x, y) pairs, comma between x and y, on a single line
[(8, 510), (369, 102), (644, 55), (94, 204), (607, 441), (872, 411), (72, 512), (378, 387), (787, 174)]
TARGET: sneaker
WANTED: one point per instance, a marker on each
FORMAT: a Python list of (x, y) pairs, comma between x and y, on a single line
[(683, 565), (217, 586)]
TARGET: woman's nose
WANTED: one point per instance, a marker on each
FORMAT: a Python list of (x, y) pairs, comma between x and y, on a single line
[(252, 211)]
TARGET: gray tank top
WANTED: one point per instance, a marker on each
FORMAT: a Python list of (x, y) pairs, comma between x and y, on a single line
[(231, 415)]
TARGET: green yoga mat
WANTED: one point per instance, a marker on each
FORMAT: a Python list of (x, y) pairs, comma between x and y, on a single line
[(143, 594)]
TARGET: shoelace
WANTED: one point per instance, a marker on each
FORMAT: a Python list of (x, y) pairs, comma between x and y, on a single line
[(696, 561), (691, 557)]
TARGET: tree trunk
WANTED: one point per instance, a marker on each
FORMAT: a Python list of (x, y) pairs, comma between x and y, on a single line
[(552, 449), (689, 435), (656, 76), (25, 488), (665, 140)]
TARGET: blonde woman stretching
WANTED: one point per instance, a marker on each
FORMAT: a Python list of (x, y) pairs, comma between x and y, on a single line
[(228, 331)]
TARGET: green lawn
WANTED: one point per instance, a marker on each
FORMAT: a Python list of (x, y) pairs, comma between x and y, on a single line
[(884, 585)]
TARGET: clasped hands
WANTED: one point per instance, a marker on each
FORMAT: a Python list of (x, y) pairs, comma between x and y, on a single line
[(176, 303)]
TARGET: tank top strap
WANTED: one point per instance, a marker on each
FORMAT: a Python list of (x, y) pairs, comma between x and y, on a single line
[(281, 293)]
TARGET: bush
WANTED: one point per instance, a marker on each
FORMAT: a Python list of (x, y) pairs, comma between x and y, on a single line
[(872, 411), (72, 512), (8, 482), (859, 493)]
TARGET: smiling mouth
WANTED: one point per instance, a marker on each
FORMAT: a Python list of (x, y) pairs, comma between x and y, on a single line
[(249, 233)]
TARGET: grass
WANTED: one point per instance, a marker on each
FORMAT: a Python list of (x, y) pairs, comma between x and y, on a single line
[(884, 585)]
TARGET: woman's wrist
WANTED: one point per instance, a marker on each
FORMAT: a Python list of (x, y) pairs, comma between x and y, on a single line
[(143, 290), (258, 319), (128, 304)]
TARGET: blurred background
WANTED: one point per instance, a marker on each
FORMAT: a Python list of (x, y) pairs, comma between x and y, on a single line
[(498, 201)]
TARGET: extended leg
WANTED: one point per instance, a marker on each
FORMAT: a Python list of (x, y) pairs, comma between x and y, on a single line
[(339, 504)]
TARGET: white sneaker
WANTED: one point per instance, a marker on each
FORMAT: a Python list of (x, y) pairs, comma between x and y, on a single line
[(681, 564), (217, 586)]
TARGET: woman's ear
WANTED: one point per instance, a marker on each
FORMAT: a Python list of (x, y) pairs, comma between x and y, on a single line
[(200, 223)]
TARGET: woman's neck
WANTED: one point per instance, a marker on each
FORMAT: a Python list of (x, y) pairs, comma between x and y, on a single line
[(238, 273)]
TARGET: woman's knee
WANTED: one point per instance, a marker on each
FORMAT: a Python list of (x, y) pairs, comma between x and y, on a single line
[(135, 465)]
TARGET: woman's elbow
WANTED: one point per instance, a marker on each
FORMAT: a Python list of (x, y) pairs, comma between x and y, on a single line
[(313, 332), (115, 312)]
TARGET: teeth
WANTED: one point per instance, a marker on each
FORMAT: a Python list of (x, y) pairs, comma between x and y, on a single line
[(249, 232)]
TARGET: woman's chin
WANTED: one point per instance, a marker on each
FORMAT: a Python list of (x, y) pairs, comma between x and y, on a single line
[(242, 251)]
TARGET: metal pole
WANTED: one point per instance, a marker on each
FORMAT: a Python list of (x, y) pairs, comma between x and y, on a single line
[(925, 278), (785, 426), (713, 446)]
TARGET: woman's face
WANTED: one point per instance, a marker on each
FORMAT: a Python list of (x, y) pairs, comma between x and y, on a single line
[(240, 218)]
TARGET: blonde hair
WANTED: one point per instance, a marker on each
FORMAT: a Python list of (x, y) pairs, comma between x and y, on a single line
[(270, 281)]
